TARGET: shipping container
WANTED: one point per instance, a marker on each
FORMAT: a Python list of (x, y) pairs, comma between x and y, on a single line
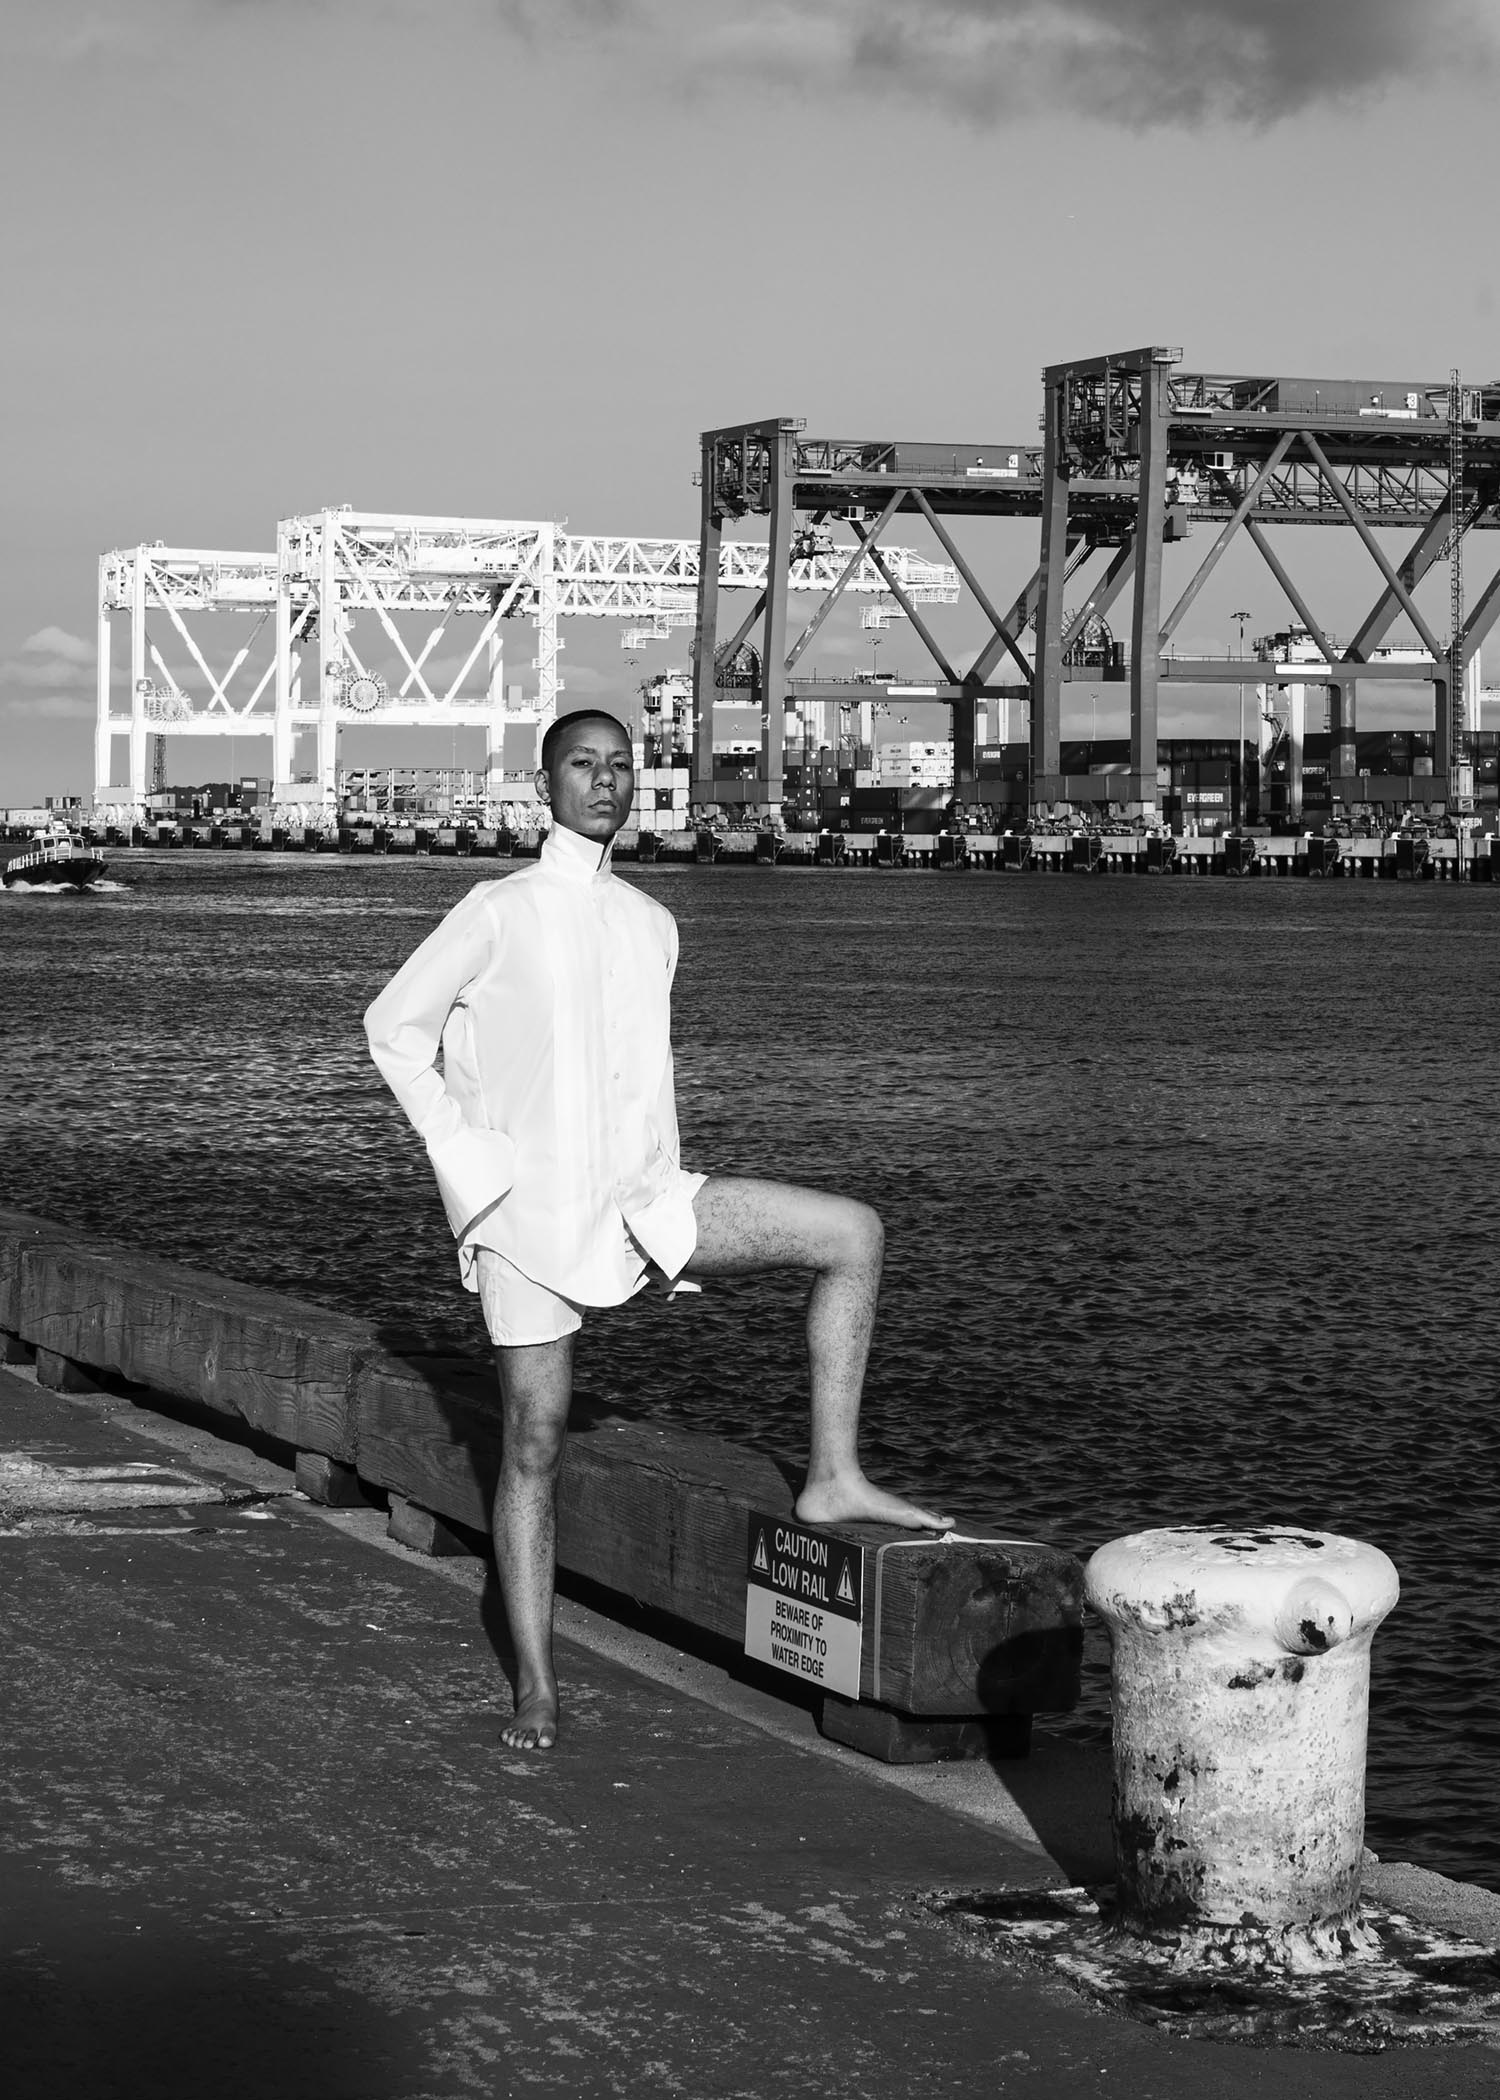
[(1380, 400), (968, 462)]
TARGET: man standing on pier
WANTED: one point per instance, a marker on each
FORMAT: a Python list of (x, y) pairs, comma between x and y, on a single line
[(528, 1040)]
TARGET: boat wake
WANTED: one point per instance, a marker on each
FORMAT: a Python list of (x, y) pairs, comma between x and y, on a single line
[(103, 887)]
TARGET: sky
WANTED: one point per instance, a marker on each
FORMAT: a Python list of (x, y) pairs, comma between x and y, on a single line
[(507, 259)]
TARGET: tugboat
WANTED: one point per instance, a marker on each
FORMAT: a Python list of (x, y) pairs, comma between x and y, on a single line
[(55, 856)]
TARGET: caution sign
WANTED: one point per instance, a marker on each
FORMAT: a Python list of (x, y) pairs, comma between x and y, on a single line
[(804, 1602)]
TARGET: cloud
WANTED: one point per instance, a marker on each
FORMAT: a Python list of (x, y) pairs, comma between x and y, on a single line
[(57, 643), (1140, 64), (1137, 64), (50, 660), (52, 677)]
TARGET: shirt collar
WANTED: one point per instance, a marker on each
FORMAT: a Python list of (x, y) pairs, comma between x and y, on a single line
[(573, 857)]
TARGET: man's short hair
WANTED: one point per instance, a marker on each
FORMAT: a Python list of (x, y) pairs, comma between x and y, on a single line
[(579, 714)]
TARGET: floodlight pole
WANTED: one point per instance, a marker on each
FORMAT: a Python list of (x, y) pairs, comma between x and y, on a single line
[(1239, 800)]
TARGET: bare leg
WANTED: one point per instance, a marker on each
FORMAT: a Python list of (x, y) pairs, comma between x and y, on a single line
[(536, 1385), (745, 1226)]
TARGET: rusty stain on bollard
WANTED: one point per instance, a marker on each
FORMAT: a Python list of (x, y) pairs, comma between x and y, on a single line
[(1241, 1669)]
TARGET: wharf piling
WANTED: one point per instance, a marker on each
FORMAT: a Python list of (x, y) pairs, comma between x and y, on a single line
[(1399, 856), (1258, 856)]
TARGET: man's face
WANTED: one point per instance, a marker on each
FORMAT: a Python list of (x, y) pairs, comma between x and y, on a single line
[(590, 783)]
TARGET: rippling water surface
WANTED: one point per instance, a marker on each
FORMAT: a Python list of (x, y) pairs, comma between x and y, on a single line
[(1190, 1190)]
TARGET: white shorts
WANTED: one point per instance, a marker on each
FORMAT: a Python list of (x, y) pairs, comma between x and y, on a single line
[(518, 1312)]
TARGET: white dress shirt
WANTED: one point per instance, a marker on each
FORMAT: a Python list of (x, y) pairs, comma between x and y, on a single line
[(529, 1041)]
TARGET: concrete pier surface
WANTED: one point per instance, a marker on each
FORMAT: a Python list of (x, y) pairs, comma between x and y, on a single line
[(262, 1838)]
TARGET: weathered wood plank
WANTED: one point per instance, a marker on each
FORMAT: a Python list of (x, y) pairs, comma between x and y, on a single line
[(660, 1515), (421, 1532), (18, 1230), (654, 1513), (61, 1375), (283, 1366), (1006, 1618), (325, 1481), (916, 1739), (428, 1428), (962, 1629)]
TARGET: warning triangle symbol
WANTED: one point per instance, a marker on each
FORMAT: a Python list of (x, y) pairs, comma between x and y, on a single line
[(760, 1560), (845, 1591)]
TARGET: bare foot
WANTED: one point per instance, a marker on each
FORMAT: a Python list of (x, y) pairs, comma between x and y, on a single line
[(533, 1725), (852, 1499)]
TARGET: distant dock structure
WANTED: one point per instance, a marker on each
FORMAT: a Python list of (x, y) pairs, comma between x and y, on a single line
[(402, 620), (1134, 455), (391, 619)]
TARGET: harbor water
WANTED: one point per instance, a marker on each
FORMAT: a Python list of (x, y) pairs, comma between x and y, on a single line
[(1190, 1191)]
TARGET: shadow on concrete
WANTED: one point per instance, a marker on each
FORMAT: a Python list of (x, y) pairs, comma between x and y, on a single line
[(1063, 1791), (156, 2009)]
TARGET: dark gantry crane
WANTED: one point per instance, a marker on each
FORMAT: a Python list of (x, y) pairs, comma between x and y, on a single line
[(1135, 454)]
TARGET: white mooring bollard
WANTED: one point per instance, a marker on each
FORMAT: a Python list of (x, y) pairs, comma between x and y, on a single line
[(1241, 1701)]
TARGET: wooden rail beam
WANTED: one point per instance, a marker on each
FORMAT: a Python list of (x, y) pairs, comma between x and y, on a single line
[(282, 1366), (964, 1630)]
